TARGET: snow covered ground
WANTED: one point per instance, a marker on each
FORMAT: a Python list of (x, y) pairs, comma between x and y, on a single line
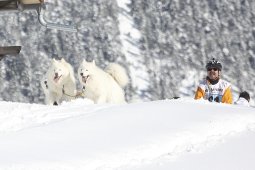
[(157, 135)]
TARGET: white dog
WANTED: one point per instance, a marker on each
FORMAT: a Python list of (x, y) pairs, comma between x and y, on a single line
[(103, 86), (59, 83)]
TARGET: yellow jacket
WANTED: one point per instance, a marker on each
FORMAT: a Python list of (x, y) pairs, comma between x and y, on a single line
[(220, 92)]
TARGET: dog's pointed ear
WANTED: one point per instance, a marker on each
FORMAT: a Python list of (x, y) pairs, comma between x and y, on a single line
[(63, 60), (54, 60), (93, 62), (83, 61)]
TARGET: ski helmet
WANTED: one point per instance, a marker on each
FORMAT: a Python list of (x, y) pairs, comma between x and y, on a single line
[(214, 64)]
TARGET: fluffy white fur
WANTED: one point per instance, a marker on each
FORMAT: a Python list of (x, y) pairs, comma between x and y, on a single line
[(103, 86), (59, 83), (44, 85)]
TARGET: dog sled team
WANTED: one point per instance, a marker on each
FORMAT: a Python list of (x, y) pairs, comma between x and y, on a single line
[(101, 86), (106, 86)]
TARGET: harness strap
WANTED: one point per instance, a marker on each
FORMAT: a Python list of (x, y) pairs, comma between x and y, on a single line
[(76, 96)]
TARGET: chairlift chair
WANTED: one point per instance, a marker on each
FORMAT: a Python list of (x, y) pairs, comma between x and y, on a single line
[(21, 5), (39, 6), (11, 50)]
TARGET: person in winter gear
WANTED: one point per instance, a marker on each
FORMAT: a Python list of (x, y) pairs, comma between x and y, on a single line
[(213, 88), (244, 99)]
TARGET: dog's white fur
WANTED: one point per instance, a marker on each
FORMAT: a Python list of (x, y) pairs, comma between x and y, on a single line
[(103, 86), (59, 83), (45, 87)]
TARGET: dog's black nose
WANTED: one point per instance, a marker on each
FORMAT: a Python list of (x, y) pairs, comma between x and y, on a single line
[(81, 74)]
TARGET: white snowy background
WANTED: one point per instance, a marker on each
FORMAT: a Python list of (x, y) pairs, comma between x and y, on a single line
[(158, 135)]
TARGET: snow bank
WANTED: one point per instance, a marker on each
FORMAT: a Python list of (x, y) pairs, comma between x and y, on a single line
[(81, 135)]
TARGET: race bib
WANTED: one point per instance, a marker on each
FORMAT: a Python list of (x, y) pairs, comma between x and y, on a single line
[(214, 94), (215, 98)]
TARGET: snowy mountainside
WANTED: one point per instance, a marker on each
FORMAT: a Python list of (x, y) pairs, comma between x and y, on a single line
[(81, 135)]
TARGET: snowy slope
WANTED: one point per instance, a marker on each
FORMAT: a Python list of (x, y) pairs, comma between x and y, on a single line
[(154, 135)]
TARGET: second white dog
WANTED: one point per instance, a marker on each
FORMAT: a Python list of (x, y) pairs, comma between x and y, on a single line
[(103, 86)]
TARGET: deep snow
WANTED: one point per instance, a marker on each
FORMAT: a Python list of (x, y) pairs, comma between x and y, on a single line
[(167, 134)]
